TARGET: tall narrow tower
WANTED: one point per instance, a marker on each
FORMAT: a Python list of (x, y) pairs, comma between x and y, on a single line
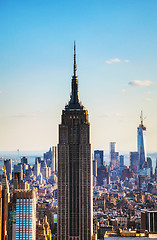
[(141, 140), (74, 170)]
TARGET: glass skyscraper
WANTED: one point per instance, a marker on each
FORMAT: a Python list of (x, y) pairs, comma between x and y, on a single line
[(141, 140), (25, 215)]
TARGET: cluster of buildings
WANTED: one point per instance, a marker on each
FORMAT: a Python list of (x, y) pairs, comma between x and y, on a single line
[(28, 198), (65, 196)]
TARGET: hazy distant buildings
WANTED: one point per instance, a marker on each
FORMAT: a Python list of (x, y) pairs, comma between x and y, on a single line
[(103, 176), (99, 156), (19, 168), (51, 159), (141, 139), (134, 161), (75, 220), (114, 156), (25, 226), (8, 166)]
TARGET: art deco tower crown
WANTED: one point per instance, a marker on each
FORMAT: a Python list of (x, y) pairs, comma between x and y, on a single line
[(74, 170)]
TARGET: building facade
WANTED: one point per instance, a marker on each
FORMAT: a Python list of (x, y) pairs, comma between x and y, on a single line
[(99, 156), (114, 156), (25, 226), (8, 166), (149, 220), (74, 170)]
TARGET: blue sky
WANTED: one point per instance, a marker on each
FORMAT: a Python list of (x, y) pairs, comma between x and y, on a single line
[(116, 58)]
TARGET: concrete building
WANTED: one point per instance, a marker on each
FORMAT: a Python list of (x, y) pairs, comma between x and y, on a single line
[(75, 220)]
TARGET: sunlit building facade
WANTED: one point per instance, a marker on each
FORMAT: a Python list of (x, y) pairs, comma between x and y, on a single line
[(25, 215)]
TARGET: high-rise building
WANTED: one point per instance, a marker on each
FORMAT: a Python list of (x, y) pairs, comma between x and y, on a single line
[(75, 220), (134, 161), (37, 168), (149, 220), (121, 161), (99, 156), (141, 141), (51, 159), (8, 166), (5, 197), (25, 226), (19, 168), (114, 156)]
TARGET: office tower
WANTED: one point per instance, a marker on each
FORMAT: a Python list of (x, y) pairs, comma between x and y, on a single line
[(95, 168), (114, 156), (74, 170), (19, 168), (99, 156), (50, 158), (121, 161), (24, 160), (141, 141), (103, 176), (149, 163), (0, 211), (141, 180), (25, 226), (8, 167), (149, 220), (4, 205), (37, 168), (17, 180), (134, 161)]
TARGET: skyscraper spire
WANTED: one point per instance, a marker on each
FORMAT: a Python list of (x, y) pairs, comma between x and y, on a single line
[(75, 66), (74, 102), (141, 117)]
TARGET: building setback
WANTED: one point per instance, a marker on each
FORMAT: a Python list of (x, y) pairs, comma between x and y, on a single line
[(74, 170)]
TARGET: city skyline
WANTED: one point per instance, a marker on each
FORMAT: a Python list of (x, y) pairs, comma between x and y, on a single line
[(116, 54)]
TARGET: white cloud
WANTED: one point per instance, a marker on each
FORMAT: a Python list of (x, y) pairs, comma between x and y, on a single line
[(123, 91), (115, 60), (139, 83), (108, 62), (1, 92), (148, 99)]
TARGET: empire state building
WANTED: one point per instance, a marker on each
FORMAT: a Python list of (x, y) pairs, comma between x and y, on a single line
[(75, 220)]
